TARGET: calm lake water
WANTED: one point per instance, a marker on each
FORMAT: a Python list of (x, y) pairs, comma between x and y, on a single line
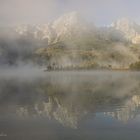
[(69, 105)]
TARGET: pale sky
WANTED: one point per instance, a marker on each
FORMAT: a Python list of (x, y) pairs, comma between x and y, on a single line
[(101, 12)]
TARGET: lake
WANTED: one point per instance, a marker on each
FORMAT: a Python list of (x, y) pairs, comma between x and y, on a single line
[(85, 105)]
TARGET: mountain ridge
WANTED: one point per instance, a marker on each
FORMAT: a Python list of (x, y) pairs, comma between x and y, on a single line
[(70, 42), (70, 22)]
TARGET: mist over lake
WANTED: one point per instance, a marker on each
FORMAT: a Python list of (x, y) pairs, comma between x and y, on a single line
[(69, 70), (70, 105)]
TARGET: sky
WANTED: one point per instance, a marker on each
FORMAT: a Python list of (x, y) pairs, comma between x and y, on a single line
[(101, 12)]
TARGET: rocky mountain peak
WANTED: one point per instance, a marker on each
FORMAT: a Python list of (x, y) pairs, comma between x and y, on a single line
[(129, 28), (68, 19)]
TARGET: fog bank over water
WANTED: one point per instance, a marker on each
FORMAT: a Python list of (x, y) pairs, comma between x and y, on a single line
[(69, 70), (35, 71), (27, 71)]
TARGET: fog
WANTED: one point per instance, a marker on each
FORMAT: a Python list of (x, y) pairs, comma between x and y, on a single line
[(68, 78), (67, 103), (102, 12), (67, 96), (18, 50)]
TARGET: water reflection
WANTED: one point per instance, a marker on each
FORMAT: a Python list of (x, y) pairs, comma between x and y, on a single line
[(70, 99)]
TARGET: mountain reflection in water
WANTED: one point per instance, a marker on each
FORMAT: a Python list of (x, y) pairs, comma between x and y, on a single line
[(73, 102)]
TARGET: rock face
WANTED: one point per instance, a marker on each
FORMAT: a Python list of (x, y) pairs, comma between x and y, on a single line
[(72, 24), (130, 29), (40, 32), (66, 26), (71, 42)]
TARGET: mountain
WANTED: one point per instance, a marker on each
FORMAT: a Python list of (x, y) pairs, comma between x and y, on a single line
[(73, 25), (66, 28), (72, 42), (78, 44), (130, 29)]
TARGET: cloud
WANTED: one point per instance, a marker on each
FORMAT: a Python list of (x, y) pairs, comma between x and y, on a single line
[(14, 11), (40, 11)]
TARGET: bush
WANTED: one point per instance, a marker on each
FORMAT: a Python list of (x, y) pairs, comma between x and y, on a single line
[(135, 66)]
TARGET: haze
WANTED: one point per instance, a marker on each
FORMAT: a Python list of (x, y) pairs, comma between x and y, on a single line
[(101, 12)]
